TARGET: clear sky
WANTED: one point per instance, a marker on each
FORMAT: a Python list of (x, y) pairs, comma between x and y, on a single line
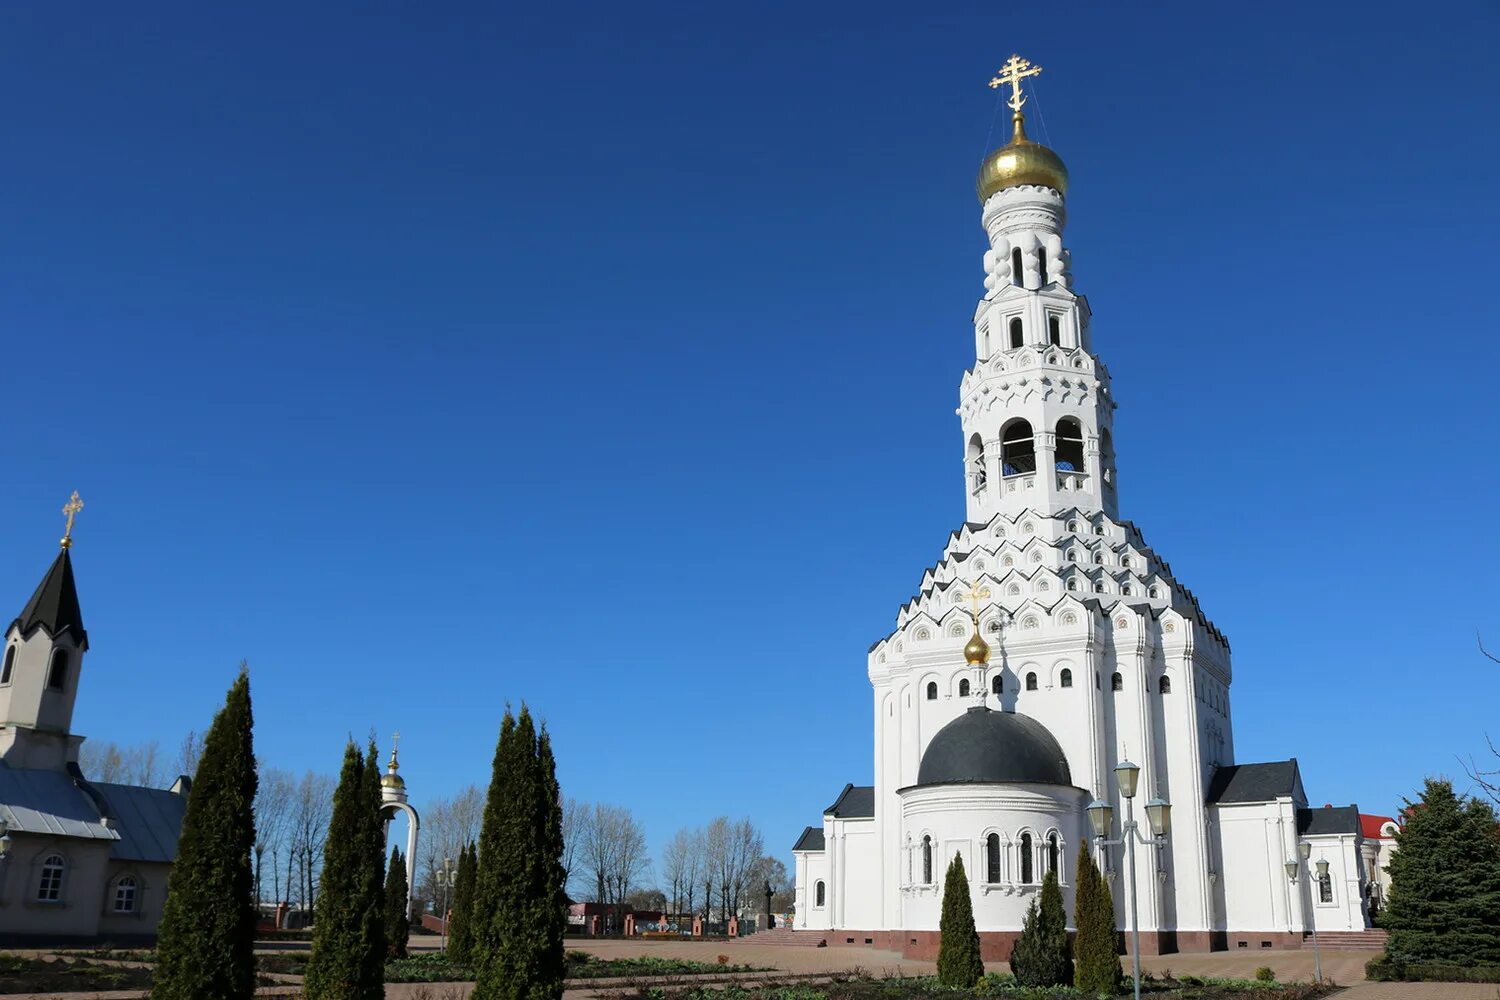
[(434, 357)]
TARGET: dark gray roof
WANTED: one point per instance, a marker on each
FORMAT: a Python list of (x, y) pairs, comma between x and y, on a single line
[(983, 746), (148, 821), (1255, 783), (811, 840), (854, 802), (51, 803), (1328, 820), (54, 606)]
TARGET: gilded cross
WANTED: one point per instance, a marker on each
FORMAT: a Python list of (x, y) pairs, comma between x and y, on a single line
[(977, 594), (395, 740), (71, 509), (1013, 72)]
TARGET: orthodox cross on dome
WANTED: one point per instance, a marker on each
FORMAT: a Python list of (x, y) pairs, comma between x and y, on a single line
[(976, 594), (70, 510), (1013, 72), (395, 739)]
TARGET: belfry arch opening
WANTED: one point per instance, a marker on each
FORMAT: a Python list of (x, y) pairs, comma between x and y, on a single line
[(1017, 449), (978, 474), (1017, 333), (1017, 270), (1069, 445)]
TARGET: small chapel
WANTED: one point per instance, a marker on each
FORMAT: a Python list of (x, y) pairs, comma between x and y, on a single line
[(79, 859), (1047, 643)]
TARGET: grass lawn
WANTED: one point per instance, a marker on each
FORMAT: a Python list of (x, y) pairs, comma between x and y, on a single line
[(76, 975)]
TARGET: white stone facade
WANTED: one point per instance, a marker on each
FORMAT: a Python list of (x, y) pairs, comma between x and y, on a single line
[(1091, 635)]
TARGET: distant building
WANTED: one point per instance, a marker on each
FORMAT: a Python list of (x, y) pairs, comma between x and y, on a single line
[(82, 859)]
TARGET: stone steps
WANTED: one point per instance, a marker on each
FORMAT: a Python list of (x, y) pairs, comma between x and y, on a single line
[(1372, 939), (787, 937)]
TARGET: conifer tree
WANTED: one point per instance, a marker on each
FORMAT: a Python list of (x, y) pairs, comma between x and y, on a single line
[(1097, 963), (516, 912), (461, 912), (959, 962), (206, 939), (397, 917), (1041, 956), (1444, 903), (347, 920)]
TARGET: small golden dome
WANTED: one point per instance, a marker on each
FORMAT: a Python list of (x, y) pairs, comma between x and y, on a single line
[(392, 780), (976, 651), (1021, 161)]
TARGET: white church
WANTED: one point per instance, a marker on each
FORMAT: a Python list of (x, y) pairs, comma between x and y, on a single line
[(1048, 643)]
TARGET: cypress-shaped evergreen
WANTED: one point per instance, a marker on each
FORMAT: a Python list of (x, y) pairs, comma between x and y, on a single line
[(397, 917), (1042, 956), (206, 939), (461, 910), (959, 963), (516, 914), (347, 923), (1444, 904), (1096, 961)]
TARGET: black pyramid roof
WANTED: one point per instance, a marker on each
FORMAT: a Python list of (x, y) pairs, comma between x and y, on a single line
[(54, 606)]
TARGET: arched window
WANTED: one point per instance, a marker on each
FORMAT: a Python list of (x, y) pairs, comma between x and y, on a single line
[(1041, 263), (963, 688), (1069, 445), (1027, 871), (125, 894), (1153, 592), (1031, 681), (57, 674), (49, 888), (978, 474), (926, 860), (932, 690), (1164, 686), (820, 893), (992, 858), (1325, 888), (1065, 679), (1052, 853), (1017, 270), (1017, 451), (1072, 584), (1054, 331), (1116, 682), (1017, 333), (997, 685), (10, 664)]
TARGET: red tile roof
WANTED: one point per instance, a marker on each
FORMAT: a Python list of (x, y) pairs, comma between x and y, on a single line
[(1369, 826)]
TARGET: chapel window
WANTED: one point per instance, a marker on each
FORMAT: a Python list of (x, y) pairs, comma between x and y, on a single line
[(1027, 872), (1164, 686), (1325, 888), (1017, 451), (1031, 681), (1052, 851), (49, 888), (1069, 445), (10, 664), (125, 894), (997, 685), (1116, 682), (1065, 679), (926, 859), (1153, 592), (963, 688), (992, 858), (57, 674), (1017, 333), (820, 893), (1041, 263), (1017, 270), (1054, 331), (932, 690)]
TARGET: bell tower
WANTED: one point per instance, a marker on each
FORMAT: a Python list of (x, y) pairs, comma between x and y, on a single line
[(40, 667), (1036, 407)]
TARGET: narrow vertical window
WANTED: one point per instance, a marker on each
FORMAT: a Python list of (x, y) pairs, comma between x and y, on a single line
[(57, 673), (1027, 872), (963, 688), (1069, 445), (49, 887), (1065, 679), (1054, 331), (1017, 333), (1052, 852), (997, 685), (978, 472), (926, 860), (1017, 272), (820, 893), (992, 858), (125, 894), (1116, 682), (1164, 686), (1031, 681), (1041, 264), (932, 690), (10, 664), (1325, 888)]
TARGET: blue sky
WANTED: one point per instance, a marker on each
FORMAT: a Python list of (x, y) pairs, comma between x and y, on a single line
[(605, 357)]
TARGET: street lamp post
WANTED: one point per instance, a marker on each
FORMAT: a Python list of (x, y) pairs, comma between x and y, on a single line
[(1159, 814), (445, 877), (1293, 866)]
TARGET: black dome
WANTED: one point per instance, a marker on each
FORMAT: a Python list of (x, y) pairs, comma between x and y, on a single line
[(983, 746)]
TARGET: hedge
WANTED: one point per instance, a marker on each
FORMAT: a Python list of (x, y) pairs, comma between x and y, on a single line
[(1382, 970)]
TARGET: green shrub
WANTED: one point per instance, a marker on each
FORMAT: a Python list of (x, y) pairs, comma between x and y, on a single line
[(958, 961), (1265, 974), (1382, 969)]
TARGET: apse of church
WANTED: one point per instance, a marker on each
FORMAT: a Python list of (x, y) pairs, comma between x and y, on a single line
[(1048, 643)]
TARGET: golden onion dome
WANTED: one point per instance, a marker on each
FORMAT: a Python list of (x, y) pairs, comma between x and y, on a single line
[(1021, 161), (976, 651), (392, 780)]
